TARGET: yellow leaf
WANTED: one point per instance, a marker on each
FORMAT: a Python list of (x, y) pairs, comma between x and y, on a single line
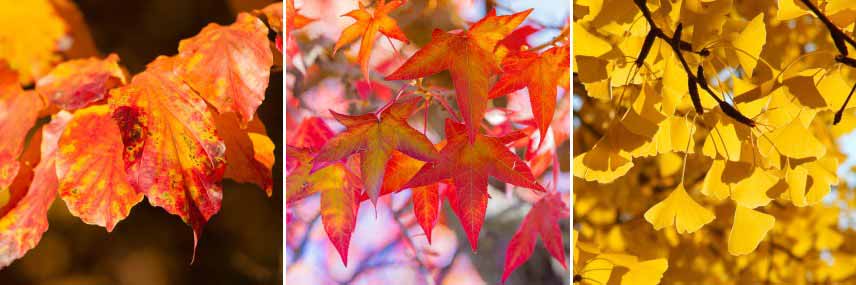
[(588, 44), (713, 185), (680, 210), (751, 41), (749, 228), (752, 191), (646, 272), (796, 179)]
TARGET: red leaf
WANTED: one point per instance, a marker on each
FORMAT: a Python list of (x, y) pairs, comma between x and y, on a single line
[(18, 112), (375, 137), (543, 219), (173, 153), (469, 165), (312, 133), (469, 58), (24, 219), (77, 83), (229, 66), (91, 172), (541, 74)]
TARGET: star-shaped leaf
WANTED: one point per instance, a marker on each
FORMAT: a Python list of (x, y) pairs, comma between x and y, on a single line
[(542, 219), (469, 57), (540, 74), (469, 165), (375, 137), (367, 26)]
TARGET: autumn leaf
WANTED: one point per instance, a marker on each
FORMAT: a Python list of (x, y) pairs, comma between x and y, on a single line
[(540, 74), (542, 220), (91, 171), (249, 151), (229, 66), (173, 153), (469, 165), (469, 58), (375, 137), (367, 26), (31, 34), (18, 112), (24, 219), (78, 83), (338, 188), (293, 21), (750, 227), (311, 133), (680, 210)]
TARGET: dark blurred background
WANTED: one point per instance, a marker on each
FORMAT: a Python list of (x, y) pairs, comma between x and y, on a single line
[(242, 244)]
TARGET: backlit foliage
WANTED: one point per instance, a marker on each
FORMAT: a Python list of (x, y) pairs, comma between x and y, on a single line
[(86, 131), (447, 113), (712, 141)]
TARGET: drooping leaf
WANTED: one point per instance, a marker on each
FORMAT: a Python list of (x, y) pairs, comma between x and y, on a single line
[(229, 65), (249, 151), (18, 112), (24, 219), (78, 83), (375, 137), (469, 165), (367, 26), (750, 227), (469, 58), (680, 210), (91, 171), (173, 153), (540, 74), (542, 220)]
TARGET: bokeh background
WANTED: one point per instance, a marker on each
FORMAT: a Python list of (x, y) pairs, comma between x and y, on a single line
[(242, 244), (383, 245)]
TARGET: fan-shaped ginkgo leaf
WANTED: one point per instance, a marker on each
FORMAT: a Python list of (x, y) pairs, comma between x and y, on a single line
[(173, 153), (750, 227), (542, 219), (77, 83), (647, 272), (540, 74), (375, 137), (470, 60), (229, 65), (249, 151), (680, 210), (750, 42), (91, 171), (469, 165), (18, 112), (367, 26), (24, 219)]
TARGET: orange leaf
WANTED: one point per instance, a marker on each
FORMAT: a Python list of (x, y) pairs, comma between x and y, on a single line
[(91, 172), (312, 133), (375, 136), (541, 74), (542, 219), (469, 58), (173, 153), (24, 219), (367, 26), (469, 165), (273, 13), (229, 66), (249, 151), (18, 112), (77, 83)]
